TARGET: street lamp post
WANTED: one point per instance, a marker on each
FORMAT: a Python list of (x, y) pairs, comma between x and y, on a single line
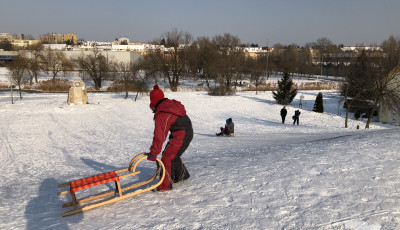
[(267, 62), (322, 62)]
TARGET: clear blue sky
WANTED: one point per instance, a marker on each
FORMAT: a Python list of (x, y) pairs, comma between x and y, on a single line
[(348, 22)]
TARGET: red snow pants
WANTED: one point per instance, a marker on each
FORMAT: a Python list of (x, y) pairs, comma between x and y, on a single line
[(171, 157)]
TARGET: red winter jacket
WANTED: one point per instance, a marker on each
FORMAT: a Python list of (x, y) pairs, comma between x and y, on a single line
[(166, 119)]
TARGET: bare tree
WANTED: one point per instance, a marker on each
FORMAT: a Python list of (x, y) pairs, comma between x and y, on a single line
[(17, 70), (170, 60), (359, 81), (228, 60), (96, 65), (290, 59), (124, 76), (152, 64), (387, 92), (202, 59), (391, 48), (324, 46), (389, 85), (140, 82), (56, 62), (254, 67), (277, 58), (174, 59), (305, 65), (128, 75), (34, 66), (382, 78)]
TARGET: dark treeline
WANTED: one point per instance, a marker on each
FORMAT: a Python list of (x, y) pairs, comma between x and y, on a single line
[(221, 61)]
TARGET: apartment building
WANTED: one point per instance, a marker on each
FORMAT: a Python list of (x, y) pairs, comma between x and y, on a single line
[(53, 38), (18, 40)]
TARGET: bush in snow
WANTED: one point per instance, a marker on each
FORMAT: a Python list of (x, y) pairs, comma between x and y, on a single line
[(56, 85), (220, 91)]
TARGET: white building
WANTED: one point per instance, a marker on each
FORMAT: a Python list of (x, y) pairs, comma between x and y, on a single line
[(123, 56)]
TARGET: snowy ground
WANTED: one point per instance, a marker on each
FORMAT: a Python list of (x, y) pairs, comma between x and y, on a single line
[(318, 175)]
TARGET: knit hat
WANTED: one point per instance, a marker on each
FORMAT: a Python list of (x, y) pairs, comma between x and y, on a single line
[(155, 96)]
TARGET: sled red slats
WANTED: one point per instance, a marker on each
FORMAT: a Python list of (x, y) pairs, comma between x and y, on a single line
[(93, 181)]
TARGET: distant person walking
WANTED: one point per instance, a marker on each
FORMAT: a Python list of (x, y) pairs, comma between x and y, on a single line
[(283, 114), (296, 117)]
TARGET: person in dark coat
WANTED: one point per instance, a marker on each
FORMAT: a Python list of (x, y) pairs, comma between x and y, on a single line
[(283, 114), (170, 117), (296, 117), (229, 128)]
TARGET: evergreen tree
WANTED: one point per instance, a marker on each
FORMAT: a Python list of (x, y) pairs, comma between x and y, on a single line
[(285, 93), (319, 104)]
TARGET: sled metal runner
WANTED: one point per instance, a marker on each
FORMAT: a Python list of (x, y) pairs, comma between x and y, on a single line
[(108, 197)]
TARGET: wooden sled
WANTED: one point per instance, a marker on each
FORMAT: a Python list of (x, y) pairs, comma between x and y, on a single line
[(110, 196)]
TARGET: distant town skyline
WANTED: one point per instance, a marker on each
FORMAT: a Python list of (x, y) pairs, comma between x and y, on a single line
[(347, 22)]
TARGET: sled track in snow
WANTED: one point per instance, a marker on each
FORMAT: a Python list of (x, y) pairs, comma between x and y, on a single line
[(355, 134)]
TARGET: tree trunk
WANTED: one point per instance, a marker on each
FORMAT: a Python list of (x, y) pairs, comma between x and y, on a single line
[(371, 114), (54, 78), (126, 86), (173, 83), (347, 110), (97, 83), (347, 116), (137, 93), (20, 91), (12, 95), (174, 88)]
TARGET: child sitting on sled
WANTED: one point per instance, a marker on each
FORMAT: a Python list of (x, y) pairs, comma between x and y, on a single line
[(228, 130)]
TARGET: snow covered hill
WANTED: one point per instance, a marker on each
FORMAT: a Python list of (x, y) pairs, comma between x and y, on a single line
[(317, 175)]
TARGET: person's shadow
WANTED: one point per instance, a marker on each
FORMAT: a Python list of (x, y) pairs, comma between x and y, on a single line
[(43, 211), (100, 167)]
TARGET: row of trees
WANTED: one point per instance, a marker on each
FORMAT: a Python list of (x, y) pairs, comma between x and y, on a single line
[(368, 78), (222, 61), (375, 79), (28, 65)]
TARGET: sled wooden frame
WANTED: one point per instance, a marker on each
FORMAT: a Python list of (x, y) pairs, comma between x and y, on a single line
[(228, 135), (112, 197)]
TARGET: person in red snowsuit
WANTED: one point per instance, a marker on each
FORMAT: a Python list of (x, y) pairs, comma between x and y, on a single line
[(170, 116)]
